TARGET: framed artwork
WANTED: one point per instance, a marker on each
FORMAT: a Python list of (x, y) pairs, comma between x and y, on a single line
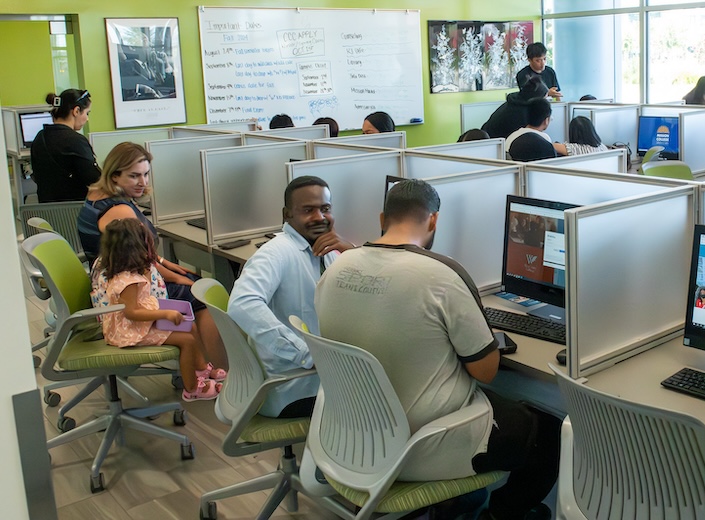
[(470, 55), (145, 71)]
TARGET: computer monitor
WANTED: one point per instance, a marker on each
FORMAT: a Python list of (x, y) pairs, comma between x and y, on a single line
[(658, 131), (389, 181), (694, 335), (534, 253), (31, 123)]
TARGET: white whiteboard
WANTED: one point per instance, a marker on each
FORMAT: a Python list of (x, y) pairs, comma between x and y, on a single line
[(311, 63)]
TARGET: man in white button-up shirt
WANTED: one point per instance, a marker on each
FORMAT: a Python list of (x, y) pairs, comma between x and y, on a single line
[(279, 280)]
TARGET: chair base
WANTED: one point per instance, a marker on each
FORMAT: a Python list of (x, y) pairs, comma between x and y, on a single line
[(115, 422), (285, 484)]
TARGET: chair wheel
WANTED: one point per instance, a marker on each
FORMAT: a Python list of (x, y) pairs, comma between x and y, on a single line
[(98, 483), (52, 398), (187, 452), (179, 417), (177, 382), (212, 512), (66, 424), (37, 361)]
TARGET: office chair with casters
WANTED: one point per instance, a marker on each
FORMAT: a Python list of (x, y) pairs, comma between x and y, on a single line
[(77, 351), (623, 460), (652, 154), (41, 291), (361, 441), (670, 169), (243, 392)]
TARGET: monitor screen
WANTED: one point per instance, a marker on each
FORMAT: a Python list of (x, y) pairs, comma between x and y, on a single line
[(31, 123), (658, 131), (695, 307), (534, 249)]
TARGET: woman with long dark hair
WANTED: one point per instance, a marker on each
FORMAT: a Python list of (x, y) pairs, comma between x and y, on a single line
[(582, 138)]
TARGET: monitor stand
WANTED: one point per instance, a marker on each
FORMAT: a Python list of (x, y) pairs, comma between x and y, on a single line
[(550, 312)]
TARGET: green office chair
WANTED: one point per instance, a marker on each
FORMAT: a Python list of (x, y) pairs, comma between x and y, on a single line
[(652, 154), (77, 350), (360, 437), (243, 393), (670, 169), (621, 459)]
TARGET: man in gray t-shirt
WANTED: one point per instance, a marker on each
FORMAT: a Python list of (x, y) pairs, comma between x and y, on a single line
[(420, 314)]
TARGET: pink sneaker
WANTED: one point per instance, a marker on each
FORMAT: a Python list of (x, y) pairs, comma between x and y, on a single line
[(216, 374), (206, 390)]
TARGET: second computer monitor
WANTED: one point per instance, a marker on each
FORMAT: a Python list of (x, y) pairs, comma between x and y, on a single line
[(534, 249), (658, 131)]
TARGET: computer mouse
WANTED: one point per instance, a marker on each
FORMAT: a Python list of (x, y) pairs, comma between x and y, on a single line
[(562, 357)]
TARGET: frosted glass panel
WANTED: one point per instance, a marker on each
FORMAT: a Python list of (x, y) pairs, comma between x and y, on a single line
[(613, 161), (236, 126), (328, 149), (386, 140), (583, 189), (691, 138), (357, 187), (622, 255), (300, 132), (255, 139), (617, 125), (471, 221), (419, 166), (103, 142), (474, 115), (483, 149), (176, 174), (245, 187), (558, 129)]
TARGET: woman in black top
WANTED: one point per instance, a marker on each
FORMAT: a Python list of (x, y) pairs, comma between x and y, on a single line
[(63, 161)]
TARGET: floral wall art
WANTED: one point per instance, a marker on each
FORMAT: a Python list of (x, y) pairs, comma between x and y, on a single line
[(471, 55)]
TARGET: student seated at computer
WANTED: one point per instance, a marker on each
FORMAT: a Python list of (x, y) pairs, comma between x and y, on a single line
[(513, 114), (531, 147), (474, 134), (125, 177), (332, 125), (582, 138), (281, 121), (538, 119), (378, 123)]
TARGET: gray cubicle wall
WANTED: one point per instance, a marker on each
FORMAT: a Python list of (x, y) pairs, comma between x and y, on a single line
[(391, 140), (181, 132), (614, 161), (474, 115), (249, 139), (589, 187), (471, 220), (300, 132), (244, 188), (357, 185), (692, 130), (619, 253), (481, 149), (234, 126), (425, 165), (103, 142), (560, 117), (331, 148), (177, 183)]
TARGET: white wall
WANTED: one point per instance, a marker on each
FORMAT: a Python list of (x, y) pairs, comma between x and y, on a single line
[(18, 376)]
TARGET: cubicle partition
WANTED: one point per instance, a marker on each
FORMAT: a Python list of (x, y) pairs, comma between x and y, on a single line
[(234, 126), (331, 148), (357, 185), (471, 220), (613, 123), (560, 117), (181, 132), (627, 265), (692, 130), (299, 132), (244, 188), (103, 142), (177, 183), (249, 139), (474, 115), (425, 165), (589, 187), (393, 140), (481, 149), (609, 161)]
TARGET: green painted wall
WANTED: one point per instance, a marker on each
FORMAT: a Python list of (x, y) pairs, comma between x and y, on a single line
[(442, 111), (27, 74)]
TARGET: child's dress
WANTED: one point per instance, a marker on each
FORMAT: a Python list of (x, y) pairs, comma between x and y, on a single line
[(123, 332)]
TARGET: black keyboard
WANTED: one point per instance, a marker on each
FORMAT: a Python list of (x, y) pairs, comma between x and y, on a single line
[(199, 222), (526, 325), (687, 380)]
